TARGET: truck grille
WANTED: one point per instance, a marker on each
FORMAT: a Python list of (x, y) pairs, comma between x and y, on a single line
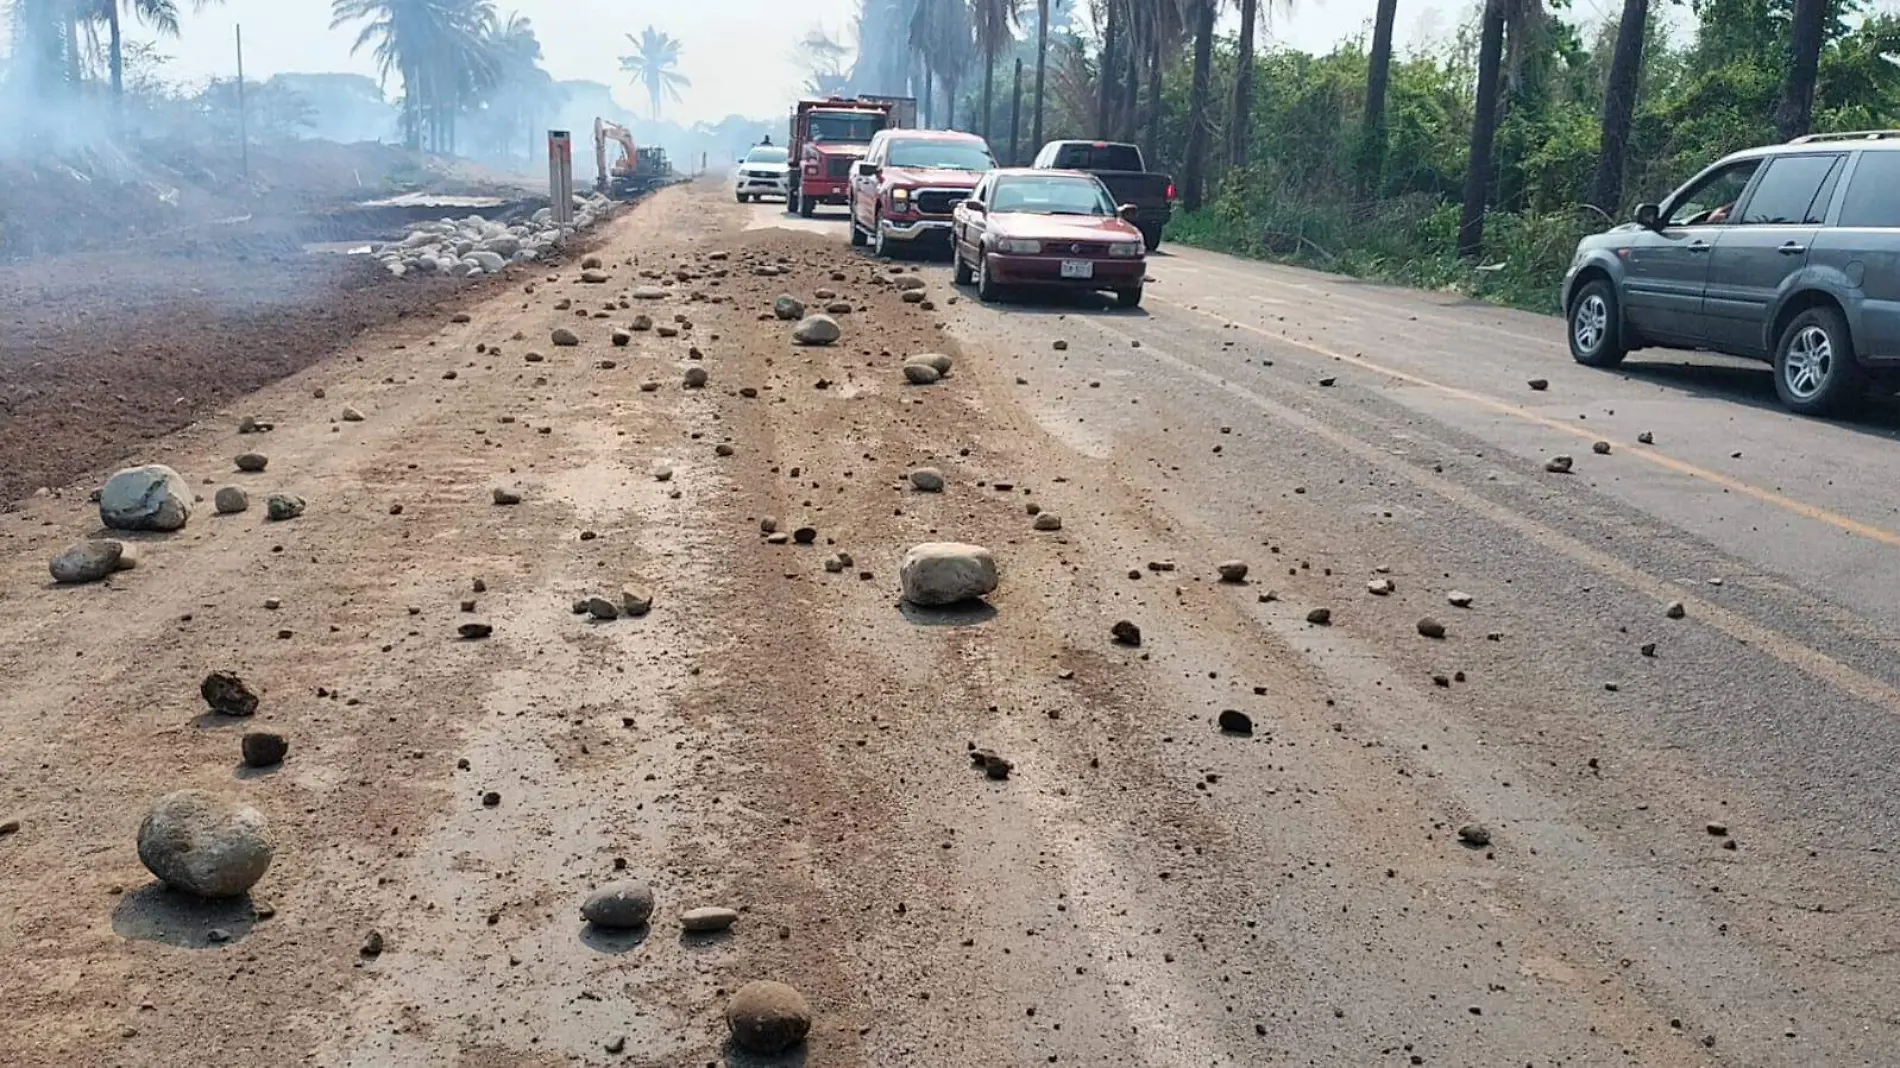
[(938, 201), (838, 166)]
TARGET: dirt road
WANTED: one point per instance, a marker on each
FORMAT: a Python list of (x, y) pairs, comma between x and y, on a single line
[(782, 739)]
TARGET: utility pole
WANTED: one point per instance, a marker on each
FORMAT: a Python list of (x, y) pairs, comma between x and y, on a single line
[(244, 137)]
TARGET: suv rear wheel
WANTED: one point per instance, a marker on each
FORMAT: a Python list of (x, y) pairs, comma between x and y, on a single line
[(1816, 372), (1595, 326)]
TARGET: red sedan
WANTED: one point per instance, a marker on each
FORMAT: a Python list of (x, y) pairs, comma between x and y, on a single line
[(1047, 228)]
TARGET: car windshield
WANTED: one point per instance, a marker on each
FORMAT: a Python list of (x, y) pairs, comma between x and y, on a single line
[(942, 155), (1052, 195), (846, 127), (765, 155)]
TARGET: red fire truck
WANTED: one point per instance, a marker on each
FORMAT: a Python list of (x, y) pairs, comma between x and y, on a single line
[(827, 138)]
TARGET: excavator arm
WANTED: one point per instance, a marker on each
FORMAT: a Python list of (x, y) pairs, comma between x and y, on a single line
[(629, 160)]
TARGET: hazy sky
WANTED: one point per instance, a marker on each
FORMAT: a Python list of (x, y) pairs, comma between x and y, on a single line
[(738, 53)]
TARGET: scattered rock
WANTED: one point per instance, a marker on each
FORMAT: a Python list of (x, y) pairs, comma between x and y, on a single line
[(944, 573), (263, 749), (635, 603), (1125, 632), (1328, 381), (153, 497), (662, 474), (838, 307), (372, 945), (87, 561), (707, 919), (650, 293), (1431, 628), (595, 278), (351, 415), (1718, 830), (1381, 587), (1558, 465), (1539, 384), (227, 694), (696, 378), (921, 374), (601, 608), (231, 500), (805, 535), (1320, 617), (1458, 599), (622, 338), (1475, 834), (620, 906), (1601, 448), (768, 524), (252, 462), (1060, 345), (250, 425), (1648, 649), (204, 844), (1675, 610), (504, 495), (1234, 721), (927, 480), (1232, 570), (1048, 521), (908, 282), (474, 631), (768, 1017), (788, 308), (641, 323), (534, 357), (1646, 438), (283, 506), (564, 337), (912, 296), (817, 330)]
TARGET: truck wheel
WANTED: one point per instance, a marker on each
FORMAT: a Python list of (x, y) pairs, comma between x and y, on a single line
[(1816, 372), (857, 235), (805, 205), (987, 291), (1596, 326), (1130, 297), (959, 270), (1151, 237), (880, 244), (740, 197)]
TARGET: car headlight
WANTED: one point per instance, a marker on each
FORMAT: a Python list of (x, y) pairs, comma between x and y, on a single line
[(1125, 249), (900, 197), (1019, 246)]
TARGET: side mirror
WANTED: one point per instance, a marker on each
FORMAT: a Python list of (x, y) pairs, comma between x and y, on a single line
[(1648, 216), (866, 170), (1128, 212), (974, 205)]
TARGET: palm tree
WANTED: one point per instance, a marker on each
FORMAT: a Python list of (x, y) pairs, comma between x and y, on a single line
[(942, 34), (1484, 128), (653, 65), (1240, 113), (1796, 109), (1200, 14), (995, 32), (1619, 104), (1378, 73), (1042, 65), (440, 49), (160, 15)]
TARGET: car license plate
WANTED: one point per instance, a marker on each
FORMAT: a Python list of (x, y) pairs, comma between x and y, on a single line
[(1078, 269)]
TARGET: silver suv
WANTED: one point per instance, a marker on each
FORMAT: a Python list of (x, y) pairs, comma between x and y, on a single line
[(1789, 253)]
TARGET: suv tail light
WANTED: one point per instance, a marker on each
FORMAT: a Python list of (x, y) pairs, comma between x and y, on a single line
[(1170, 190)]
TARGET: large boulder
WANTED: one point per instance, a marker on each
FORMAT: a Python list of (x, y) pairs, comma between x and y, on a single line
[(153, 497), (619, 906), (491, 262), (768, 1017), (788, 307), (817, 330), (205, 844), (946, 572)]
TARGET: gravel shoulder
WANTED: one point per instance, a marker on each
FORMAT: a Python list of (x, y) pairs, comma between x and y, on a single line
[(785, 739)]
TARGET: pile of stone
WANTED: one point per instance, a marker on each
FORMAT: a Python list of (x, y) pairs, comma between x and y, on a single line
[(462, 248)]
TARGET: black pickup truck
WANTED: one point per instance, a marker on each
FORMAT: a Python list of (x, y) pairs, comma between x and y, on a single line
[(1121, 168)]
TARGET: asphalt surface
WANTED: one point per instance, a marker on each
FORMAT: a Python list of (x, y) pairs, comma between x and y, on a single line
[(1358, 427)]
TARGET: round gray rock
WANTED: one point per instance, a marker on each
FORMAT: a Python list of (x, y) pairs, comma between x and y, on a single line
[(284, 506), (921, 374), (696, 378), (204, 844), (621, 906), (88, 561), (768, 1017), (153, 497), (230, 500), (701, 920), (788, 307), (946, 572), (1232, 571), (252, 461), (934, 359), (817, 330), (927, 479)]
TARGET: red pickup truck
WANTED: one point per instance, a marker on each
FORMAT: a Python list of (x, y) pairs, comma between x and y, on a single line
[(906, 189)]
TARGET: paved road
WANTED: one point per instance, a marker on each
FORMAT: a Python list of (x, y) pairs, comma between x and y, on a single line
[(1358, 427)]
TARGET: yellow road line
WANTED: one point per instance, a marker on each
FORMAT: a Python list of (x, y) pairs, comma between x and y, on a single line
[(1789, 651), (1643, 453)]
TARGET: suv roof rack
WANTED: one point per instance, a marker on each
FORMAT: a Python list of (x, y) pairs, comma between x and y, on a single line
[(1846, 135)]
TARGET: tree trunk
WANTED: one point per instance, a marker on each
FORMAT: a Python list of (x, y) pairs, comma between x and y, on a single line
[(1042, 63), (1106, 74), (1484, 128), (1240, 115), (1619, 104), (1378, 73), (1128, 108), (926, 114), (1194, 169), (1152, 148), (950, 103), (1016, 117), (118, 53), (1796, 110), (989, 83), (74, 75)]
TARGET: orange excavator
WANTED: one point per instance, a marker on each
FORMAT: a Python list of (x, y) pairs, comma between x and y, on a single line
[(637, 171)]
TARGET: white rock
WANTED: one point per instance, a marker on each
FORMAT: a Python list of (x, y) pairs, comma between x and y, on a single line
[(204, 844), (944, 572), (153, 497)]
